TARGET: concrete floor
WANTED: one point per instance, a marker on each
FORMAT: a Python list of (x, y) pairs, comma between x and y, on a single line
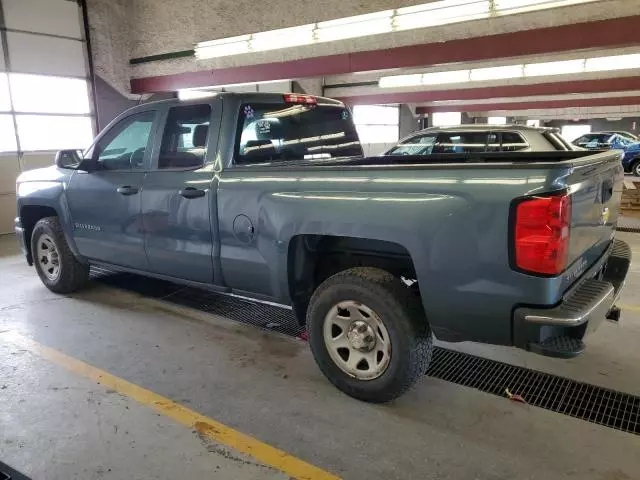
[(55, 424)]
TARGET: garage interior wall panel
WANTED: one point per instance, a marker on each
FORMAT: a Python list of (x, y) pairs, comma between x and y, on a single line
[(46, 55), (29, 161), (2, 65), (9, 170), (7, 212), (53, 17)]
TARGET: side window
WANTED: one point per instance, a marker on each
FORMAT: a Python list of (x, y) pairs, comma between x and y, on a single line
[(461, 142), (493, 142), (513, 141), (184, 140), (418, 145), (124, 146)]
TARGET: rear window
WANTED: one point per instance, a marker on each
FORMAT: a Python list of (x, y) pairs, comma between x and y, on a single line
[(513, 142), (270, 132)]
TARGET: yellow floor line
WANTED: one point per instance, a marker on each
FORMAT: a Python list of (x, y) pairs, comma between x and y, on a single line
[(216, 431), (633, 308)]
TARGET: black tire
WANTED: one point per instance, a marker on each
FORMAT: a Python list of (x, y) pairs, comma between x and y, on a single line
[(400, 310), (72, 273), (635, 167)]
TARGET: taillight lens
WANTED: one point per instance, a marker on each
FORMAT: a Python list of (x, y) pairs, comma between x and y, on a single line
[(542, 230), (296, 98)]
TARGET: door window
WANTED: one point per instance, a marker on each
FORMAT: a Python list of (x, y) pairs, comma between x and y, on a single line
[(184, 141), (461, 142), (125, 145)]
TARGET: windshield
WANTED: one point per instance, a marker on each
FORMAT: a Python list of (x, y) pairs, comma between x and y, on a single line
[(269, 132), (593, 140), (418, 145)]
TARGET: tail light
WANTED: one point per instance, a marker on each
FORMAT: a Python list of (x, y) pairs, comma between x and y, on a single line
[(541, 234), (296, 98)]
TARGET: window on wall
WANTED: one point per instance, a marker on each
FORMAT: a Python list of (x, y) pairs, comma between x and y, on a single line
[(7, 134), (446, 119), (571, 132), (52, 113), (46, 94), (377, 123), (52, 132)]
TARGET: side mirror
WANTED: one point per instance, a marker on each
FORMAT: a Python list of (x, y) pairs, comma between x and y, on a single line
[(69, 159)]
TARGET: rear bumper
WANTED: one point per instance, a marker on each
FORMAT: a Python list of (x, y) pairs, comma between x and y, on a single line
[(581, 310)]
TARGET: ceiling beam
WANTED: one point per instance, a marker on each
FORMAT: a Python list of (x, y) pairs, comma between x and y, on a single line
[(529, 105), (617, 32), (619, 84)]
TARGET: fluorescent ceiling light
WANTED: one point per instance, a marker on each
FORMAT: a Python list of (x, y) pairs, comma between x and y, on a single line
[(283, 38), (395, 81), (511, 7), (554, 68), (439, 13), (455, 76), (189, 94), (617, 62), (443, 12), (561, 67), (495, 73)]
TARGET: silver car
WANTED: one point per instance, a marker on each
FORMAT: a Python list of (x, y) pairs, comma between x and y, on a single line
[(481, 138)]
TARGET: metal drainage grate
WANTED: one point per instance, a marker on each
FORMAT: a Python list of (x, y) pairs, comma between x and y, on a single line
[(586, 402), (595, 404)]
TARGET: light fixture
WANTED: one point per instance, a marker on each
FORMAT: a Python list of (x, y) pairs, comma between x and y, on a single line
[(524, 70), (194, 94), (616, 62), (553, 68), (443, 12), (455, 76), (495, 73)]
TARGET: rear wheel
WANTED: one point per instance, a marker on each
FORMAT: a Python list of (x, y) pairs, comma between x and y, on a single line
[(635, 167), (368, 334), (56, 265)]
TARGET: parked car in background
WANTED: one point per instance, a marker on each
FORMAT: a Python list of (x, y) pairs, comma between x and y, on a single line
[(481, 138), (628, 135), (608, 141)]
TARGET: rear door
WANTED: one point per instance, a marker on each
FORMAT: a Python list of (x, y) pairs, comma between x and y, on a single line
[(178, 199)]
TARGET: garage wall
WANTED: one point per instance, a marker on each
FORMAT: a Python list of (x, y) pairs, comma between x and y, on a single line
[(45, 92)]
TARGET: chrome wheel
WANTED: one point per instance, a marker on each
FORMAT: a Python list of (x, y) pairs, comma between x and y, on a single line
[(357, 340), (48, 257)]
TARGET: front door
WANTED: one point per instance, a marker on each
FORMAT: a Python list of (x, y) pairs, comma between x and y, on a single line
[(105, 204), (178, 198)]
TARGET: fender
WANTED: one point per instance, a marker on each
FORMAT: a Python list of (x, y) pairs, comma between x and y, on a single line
[(46, 187)]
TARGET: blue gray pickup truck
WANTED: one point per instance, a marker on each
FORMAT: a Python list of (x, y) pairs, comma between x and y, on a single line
[(268, 196)]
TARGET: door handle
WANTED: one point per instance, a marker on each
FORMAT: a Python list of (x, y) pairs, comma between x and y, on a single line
[(191, 192), (127, 190)]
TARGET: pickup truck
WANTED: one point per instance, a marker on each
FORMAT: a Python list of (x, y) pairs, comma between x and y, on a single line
[(269, 197)]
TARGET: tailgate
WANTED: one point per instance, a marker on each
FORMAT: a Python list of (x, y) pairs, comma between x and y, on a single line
[(596, 190)]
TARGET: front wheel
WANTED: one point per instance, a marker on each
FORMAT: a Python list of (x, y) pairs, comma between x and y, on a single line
[(55, 263), (368, 334), (635, 167)]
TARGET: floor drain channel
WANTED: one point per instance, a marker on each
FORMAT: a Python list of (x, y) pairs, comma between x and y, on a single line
[(599, 405)]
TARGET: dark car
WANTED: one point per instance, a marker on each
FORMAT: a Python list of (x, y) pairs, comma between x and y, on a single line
[(608, 141)]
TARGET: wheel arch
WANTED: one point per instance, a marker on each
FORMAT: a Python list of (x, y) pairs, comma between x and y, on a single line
[(312, 258)]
